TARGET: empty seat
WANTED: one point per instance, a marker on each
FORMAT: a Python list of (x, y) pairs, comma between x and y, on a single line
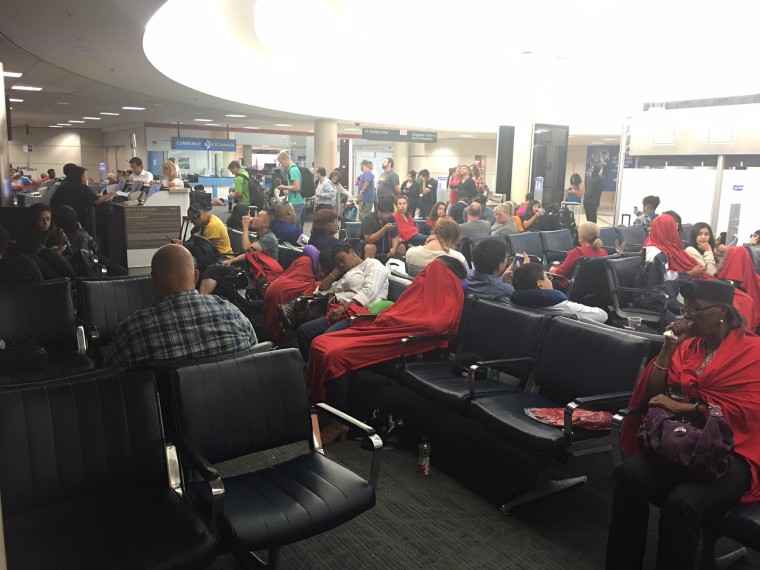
[(396, 286), (236, 240), (44, 313), (627, 300), (556, 244), (588, 284), (526, 242), (631, 238), (84, 478)]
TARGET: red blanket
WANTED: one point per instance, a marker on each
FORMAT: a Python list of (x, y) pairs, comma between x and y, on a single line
[(432, 304), (738, 267), (296, 281), (731, 381)]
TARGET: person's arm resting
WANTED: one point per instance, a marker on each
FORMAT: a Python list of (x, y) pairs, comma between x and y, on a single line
[(375, 275)]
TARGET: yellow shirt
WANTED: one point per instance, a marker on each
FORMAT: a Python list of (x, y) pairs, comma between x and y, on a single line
[(216, 232)]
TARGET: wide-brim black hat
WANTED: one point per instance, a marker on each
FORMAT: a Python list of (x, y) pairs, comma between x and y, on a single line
[(713, 290)]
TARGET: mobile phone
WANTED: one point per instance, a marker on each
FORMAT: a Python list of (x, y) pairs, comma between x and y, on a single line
[(635, 210), (519, 259)]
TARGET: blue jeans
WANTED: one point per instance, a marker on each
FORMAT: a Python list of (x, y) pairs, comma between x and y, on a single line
[(307, 332), (418, 239), (299, 215)]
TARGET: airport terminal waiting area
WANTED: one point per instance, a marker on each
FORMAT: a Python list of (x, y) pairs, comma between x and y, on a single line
[(181, 464)]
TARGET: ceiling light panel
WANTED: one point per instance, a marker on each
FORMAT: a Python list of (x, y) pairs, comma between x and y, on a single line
[(12, 74), (26, 88), (133, 108)]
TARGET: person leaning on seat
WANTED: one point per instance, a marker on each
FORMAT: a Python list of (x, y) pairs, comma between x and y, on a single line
[(183, 323), (709, 361)]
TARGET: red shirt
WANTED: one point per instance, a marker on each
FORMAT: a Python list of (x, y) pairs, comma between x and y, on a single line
[(567, 266), (407, 229)]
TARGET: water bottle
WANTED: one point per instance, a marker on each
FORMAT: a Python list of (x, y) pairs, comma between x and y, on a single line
[(423, 463), (102, 170)]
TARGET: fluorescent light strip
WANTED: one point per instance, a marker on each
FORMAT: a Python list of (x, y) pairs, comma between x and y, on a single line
[(111, 114), (282, 125), (237, 116), (12, 74), (92, 118), (15, 100), (250, 127), (213, 125), (73, 121), (64, 124), (203, 120), (55, 126), (133, 108), (26, 88)]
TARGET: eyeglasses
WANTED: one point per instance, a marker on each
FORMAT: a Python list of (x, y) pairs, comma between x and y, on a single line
[(695, 310)]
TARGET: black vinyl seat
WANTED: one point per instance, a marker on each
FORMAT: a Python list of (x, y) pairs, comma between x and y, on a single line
[(84, 478), (588, 284), (556, 244), (608, 235), (578, 365), (44, 313), (526, 242), (244, 404), (236, 240), (504, 336), (632, 238), (627, 300), (105, 303)]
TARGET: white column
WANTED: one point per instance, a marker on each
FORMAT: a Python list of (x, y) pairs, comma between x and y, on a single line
[(417, 157), (247, 155), (521, 157), (227, 157), (401, 159), (326, 144)]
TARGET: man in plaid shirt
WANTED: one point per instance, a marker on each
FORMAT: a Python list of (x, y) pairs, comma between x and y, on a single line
[(183, 323)]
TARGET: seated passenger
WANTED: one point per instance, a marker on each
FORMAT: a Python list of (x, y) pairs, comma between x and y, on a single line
[(531, 218), (590, 246), (648, 206), (710, 361), (407, 228), (474, 226), (207, 225), (487, 213), (457, 211), (506, 222), (182, 323), (16, 269), (702, 248), (754, 239), (438, 212), (491, 276), (369, 342), (264, 242), (47, 244), (380, 231), (324, 226), (81, 240), (285, 227), (441, 242), (352, 286), (524, 206), (533, 289)]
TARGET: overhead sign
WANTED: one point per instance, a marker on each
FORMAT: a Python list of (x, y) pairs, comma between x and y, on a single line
[(402, 135), (188, 143)]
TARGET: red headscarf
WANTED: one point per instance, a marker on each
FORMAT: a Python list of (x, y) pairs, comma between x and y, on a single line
[(432, 304), (664, 236), (738, 267), (730, 381), (296, 281)]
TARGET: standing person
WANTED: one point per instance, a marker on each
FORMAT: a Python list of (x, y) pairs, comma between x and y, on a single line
[(455, 177), (411, 189), (324, 195), (594, 189), (366, 190), (388, 183), (467, 188), (294, 189), (479, 179), (138, 172), (575, 191), (341, 194), (242, 193), (73, 192), (428, 192)]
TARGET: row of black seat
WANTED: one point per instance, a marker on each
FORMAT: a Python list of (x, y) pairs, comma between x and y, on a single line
[(85, 477)]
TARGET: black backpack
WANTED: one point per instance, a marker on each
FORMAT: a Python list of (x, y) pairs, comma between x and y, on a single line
[(308, 188), (202, 250), (255, 193)]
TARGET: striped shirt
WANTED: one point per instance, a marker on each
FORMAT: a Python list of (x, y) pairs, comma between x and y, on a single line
[(181, 325), (366, 283)]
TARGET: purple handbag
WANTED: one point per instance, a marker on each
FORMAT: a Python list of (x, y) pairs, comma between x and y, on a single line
[(698, 454)]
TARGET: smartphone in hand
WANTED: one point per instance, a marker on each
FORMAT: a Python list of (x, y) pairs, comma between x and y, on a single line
[(519, 259)]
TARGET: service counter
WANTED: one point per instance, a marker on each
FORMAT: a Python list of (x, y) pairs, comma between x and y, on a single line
[(136, 232), (219, 185)]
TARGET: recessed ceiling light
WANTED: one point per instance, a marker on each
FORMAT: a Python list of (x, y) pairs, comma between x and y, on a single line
[(12, 74), (352, 129), (250, 127), (203, 120), (466, 136), (26, 88), (265, 146), (212, 124), (55, 126), (237, 116), (282, 125), (610, 139), (61, 103), (73, 121), (65, 124), (92, 118), (15, 100), (111, 114), (133, 108)]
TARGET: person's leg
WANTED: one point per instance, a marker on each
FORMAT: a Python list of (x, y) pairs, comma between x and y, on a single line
[(337, 392), (370, 249), (419, 239), (688, 506), (635, 482), (365, 209), (308, 332), (590, 209), (299, 213), (339, 326), (401, 249)]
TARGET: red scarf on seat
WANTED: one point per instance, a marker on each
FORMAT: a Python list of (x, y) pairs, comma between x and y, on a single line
[(432, 304), (738, 267), (296, 281), (731, 381)]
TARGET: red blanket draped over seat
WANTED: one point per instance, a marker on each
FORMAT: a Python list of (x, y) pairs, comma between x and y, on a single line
[(432, 304), (731, 381), (296, 281), (738, 267)]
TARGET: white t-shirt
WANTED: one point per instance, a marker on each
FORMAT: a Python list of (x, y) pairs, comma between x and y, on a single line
[(177, 182), (418, 258), (145, 176)]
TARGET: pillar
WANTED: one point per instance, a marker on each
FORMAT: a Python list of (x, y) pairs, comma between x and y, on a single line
[(6, 195), (326, 144), (521, 157), (401, 159), (417, 157), (247, 155), (227, 157)]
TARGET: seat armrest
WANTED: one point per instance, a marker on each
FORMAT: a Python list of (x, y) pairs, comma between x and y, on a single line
[(408, 340), (82, 344), (377, 443), (480, 366), (200, 465), (617, 426), (590, 402), (556, 251)]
